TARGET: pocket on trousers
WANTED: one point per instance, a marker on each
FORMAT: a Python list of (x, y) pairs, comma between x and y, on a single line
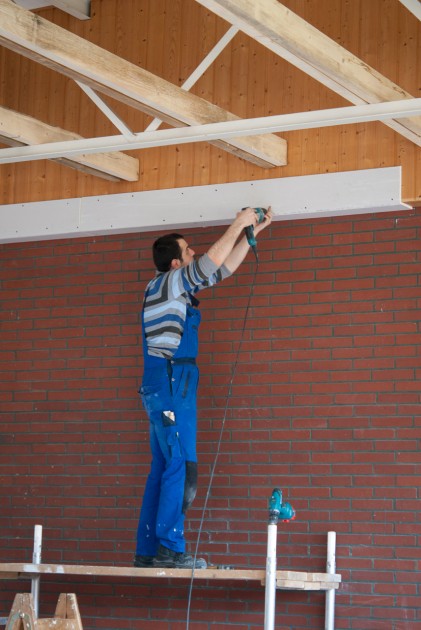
[(186, 385), (155, 397), (168, 418), (173, 441), (170, 431)]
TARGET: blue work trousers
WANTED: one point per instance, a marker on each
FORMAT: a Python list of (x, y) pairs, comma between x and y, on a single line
[(168, 395)]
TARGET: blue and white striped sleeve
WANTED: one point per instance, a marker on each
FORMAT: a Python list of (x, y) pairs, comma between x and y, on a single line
[(198, 275)]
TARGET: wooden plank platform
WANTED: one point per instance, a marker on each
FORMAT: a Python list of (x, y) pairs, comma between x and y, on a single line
[(296, 580)]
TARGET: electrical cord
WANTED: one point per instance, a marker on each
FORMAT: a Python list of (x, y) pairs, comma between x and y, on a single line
[(218, 448)]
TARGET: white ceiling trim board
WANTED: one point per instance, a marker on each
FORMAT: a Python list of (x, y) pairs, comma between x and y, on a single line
[(223, 131), (312, 196)]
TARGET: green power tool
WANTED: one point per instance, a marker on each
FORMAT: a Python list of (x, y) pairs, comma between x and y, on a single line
[(278, 510), (249, 230)]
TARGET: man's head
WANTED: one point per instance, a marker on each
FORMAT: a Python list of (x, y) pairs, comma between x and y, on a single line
[(171, 251)]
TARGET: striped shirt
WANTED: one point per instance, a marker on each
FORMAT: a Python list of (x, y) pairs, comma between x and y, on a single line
[(166, 300)]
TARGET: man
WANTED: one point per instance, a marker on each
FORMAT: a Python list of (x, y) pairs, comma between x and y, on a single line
[(170, 322)]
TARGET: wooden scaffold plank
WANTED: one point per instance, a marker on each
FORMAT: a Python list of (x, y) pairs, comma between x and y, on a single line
[(285, 579)]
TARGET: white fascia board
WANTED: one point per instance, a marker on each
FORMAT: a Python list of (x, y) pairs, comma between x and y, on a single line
[(311, 196)]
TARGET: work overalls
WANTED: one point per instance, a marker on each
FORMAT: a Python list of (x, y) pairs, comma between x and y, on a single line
[(168, 393)]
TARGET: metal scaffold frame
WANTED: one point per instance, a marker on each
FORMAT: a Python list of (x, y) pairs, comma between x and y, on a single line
[(26, 606)]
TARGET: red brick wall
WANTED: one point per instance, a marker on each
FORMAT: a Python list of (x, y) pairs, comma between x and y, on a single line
[(325, 404)]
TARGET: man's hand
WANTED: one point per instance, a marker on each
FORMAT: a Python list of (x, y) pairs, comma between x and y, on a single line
[(245, 218), (267, 221), (223, 251)]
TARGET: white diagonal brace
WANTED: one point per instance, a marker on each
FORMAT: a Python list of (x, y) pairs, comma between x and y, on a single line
[(190, 81), (17, 129), (289, 36), (51, 45), (109, 113), (201, 68), (414, 6), (205, 133)]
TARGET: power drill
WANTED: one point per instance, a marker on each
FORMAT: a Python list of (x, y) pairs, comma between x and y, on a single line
[(278, 509), (249, 230)]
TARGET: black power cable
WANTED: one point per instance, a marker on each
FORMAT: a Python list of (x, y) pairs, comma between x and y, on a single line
[(221, 434)]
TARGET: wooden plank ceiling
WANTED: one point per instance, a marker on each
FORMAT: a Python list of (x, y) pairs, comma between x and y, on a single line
[(100, 72)]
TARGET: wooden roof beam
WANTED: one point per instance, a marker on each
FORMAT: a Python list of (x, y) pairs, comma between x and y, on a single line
[(73, 56), (300, 43), (18, 129)]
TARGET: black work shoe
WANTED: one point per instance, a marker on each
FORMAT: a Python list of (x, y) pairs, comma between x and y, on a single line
[(166, 558), (143, 561)]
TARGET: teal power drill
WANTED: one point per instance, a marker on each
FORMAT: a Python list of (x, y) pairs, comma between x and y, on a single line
[(249, 230), (278, 509)]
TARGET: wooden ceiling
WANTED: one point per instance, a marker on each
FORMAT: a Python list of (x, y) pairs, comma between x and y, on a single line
[(258, 126)]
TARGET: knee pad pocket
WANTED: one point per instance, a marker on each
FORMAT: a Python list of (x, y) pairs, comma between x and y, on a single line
[(190, 485)]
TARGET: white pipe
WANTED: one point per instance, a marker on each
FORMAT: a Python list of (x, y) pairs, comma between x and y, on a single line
[(218, 131), (330, 594), (36, 559), (270, 582)]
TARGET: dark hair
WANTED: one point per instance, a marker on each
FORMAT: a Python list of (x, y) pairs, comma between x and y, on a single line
[(165, 249)]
